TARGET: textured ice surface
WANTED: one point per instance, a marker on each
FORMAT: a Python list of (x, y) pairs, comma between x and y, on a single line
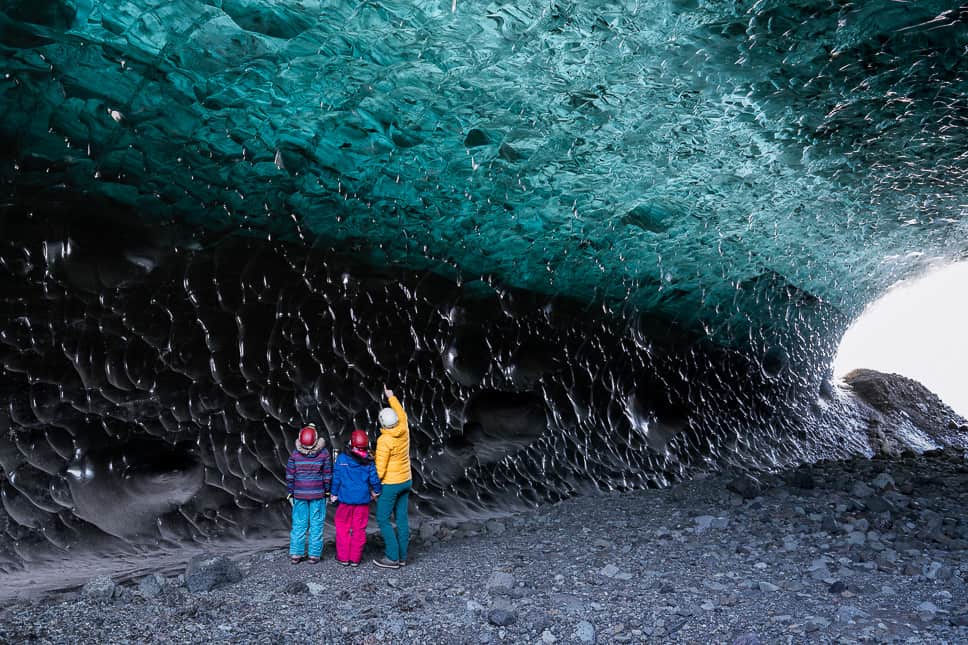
[(594, 242), (153, 388)]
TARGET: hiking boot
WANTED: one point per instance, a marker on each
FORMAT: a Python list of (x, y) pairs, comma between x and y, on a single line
[(345, 563), (387, 563), (313, 560), (295, 559), (402, 563), (353, 564)]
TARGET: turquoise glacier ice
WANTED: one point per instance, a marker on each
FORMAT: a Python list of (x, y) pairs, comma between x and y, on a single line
[(549, 223)]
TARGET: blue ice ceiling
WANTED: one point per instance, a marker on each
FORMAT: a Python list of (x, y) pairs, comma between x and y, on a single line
[(662, 154)]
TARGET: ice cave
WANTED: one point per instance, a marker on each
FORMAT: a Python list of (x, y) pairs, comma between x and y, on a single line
[(592, 244)]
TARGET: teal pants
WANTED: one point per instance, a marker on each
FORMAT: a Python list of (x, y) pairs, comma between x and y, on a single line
[(307, 515), (393, 501)]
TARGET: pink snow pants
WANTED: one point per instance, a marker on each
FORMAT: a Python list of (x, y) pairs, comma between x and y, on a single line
[(350, 523)]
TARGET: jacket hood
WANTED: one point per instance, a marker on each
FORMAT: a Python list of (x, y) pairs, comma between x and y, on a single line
[(316, 447), (396, 431), (362, 459)]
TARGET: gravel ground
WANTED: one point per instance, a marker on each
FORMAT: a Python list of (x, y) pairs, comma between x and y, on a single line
[(848, 552)]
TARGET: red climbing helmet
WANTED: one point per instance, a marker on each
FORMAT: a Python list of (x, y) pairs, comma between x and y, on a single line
[(307, 436), (359, 439)]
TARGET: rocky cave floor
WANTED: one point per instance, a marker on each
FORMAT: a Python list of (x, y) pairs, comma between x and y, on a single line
[(836, 552)]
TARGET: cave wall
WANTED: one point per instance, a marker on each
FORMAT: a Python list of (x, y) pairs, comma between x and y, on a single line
[(154, 382)]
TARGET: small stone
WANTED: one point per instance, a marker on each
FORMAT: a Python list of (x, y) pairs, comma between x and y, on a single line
[(314, 588), (205, 572), (760, 565), (474, 607), (703, 522), (829, 524), (816, 623), (501, 617), (719, 523), (862, 490), (883, 520), (609, 570), (768, 587), (936, 571), (883, 482), (548, 637), (877, 504), (818, 570), (857, 537), (100, 588), (838, 587), (495, 527), (745, 486), (585, 632), (849, 614), (747, 639), (500, 582), (502, 603), (150, 586), (296, 587)]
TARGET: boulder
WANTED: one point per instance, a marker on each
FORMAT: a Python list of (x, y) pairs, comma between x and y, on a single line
[(205, 572), (501, 617), (151, 585), (585, 632), (500, 582), (745, 486), (100, 588)]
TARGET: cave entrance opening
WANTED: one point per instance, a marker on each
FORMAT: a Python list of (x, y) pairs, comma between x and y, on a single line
[(919, 329)]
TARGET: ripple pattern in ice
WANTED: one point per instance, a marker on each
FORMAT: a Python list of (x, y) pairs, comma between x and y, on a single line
[(153, 386)]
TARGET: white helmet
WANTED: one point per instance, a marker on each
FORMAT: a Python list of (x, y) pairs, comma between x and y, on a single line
[(388, 418)]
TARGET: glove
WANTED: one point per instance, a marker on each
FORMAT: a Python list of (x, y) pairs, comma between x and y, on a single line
[(289, 499)]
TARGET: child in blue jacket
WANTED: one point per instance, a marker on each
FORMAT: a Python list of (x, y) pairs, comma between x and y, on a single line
[(355, 483)]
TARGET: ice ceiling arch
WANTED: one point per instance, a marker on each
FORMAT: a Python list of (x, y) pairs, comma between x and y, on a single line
[(653, 219)]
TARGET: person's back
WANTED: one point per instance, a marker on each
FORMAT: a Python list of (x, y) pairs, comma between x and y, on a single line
[(308, 471), (393, 446), (393, 468), (308, 475), (354, 478), (355, 483)]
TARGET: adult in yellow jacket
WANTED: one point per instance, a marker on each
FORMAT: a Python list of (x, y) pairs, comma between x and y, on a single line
[(393, 467)]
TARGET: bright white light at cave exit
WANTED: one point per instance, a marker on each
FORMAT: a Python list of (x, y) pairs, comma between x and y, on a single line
[(919, 330)]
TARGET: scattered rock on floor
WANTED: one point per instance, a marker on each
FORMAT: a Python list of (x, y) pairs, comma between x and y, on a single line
[(206, 572)]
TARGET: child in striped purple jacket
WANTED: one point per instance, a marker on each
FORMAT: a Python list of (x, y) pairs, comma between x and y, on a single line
[(308, 476)]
